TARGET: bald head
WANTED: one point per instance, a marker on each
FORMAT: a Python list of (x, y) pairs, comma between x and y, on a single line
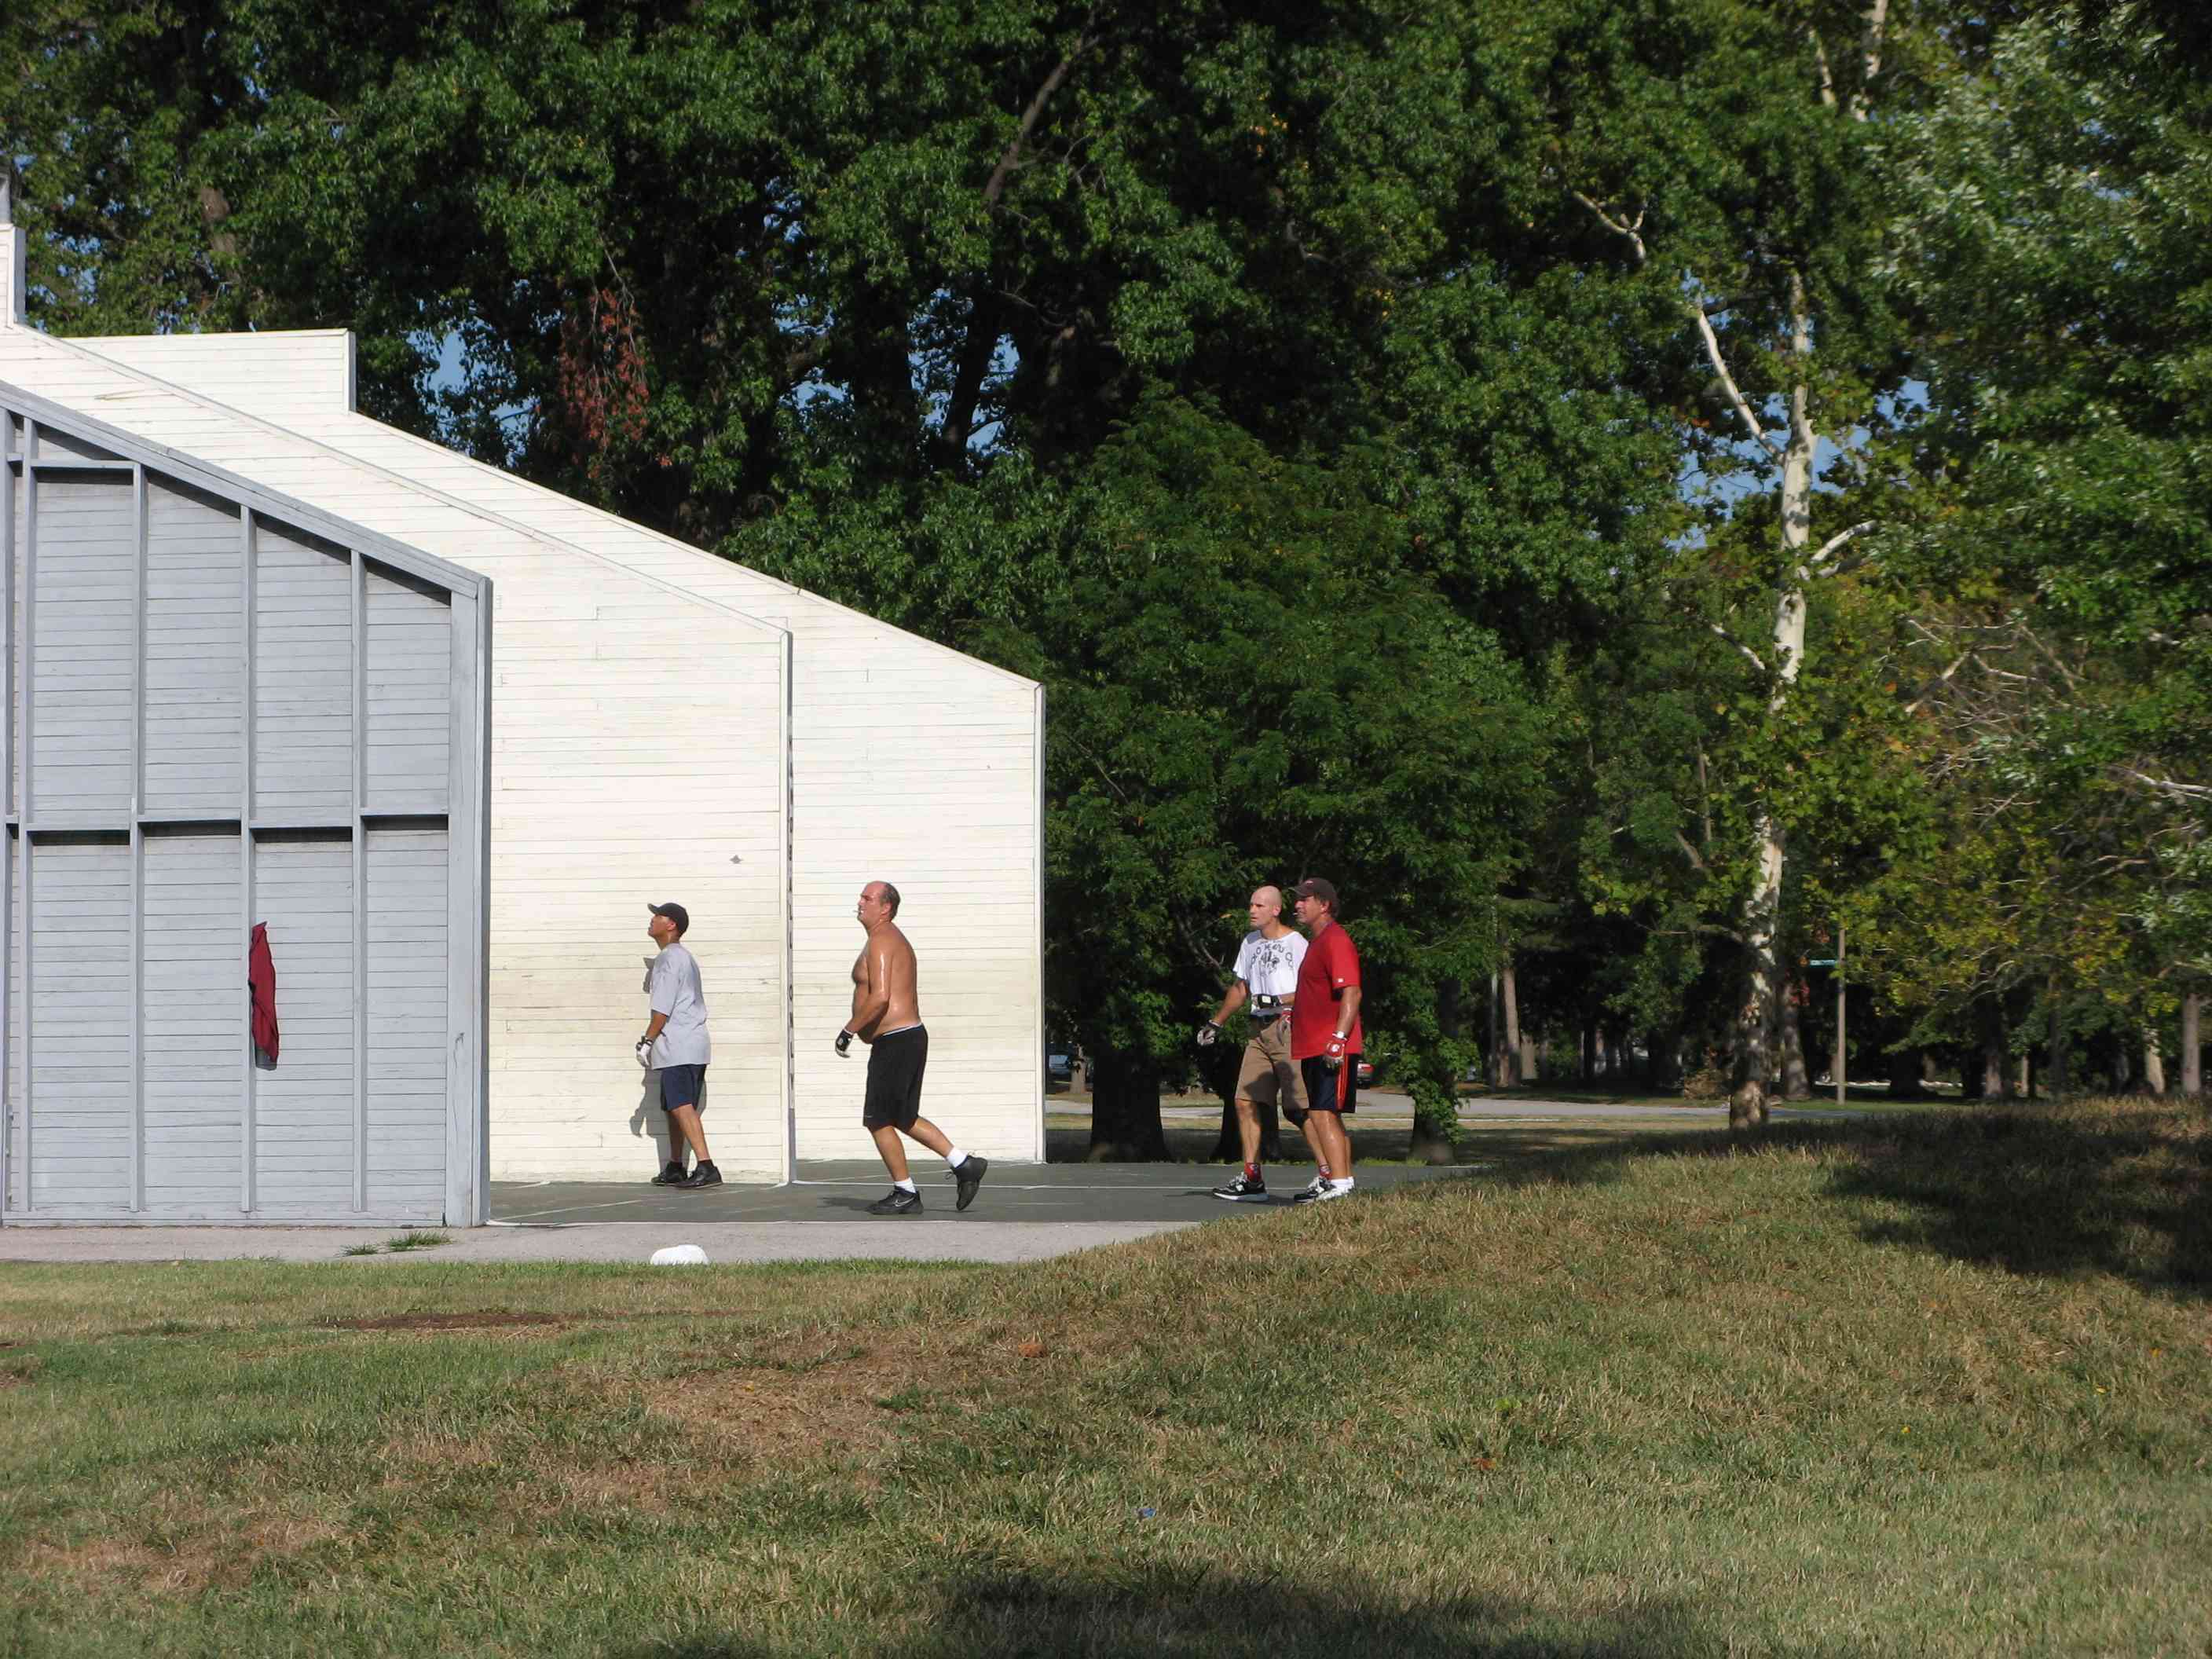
[(1267, 907)]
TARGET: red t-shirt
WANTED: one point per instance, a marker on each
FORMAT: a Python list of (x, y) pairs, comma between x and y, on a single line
[(1331, 963)]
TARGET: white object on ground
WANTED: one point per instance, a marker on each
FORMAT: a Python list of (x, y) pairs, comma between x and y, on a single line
[(680, 1256)]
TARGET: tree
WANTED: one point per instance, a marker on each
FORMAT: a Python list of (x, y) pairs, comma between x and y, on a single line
[(1245, 686), (2049, 208), (1721, 149)]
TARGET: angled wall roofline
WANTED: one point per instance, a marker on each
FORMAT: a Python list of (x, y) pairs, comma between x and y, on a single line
[(218, 481)]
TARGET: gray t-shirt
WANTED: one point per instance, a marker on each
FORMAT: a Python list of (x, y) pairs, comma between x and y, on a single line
[(672, 984)]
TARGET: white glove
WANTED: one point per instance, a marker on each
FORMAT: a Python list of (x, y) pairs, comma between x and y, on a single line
[(645, 1053), (1207, 1033)]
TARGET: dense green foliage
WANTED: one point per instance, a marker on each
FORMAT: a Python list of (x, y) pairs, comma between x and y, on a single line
[(1320, 402)]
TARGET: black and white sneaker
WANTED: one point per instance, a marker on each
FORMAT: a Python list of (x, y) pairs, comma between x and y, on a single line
[(1241, 1189), (1313, 1192), (672, 1175), (897, 1201), (967, 1177), (705, 1176)]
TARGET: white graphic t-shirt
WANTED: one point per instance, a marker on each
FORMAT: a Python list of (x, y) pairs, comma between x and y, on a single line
[(1269, 967)]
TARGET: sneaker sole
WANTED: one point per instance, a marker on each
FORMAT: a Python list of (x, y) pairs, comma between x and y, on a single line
[(1242, 1198)]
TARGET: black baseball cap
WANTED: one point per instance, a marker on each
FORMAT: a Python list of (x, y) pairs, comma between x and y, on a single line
[(675, 913), (1318, 887)]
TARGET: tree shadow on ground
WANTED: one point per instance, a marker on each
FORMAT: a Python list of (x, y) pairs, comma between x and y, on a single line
[(2123, 1187), (1014, 1615)]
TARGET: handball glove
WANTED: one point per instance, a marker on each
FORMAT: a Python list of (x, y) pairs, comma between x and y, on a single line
[(844, 1044), (1333, 1056), (645, 1053), (1207, 1032)]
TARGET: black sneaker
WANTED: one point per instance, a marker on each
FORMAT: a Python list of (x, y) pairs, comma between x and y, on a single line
[(897, 1201), (672, 1175), (1240, 1189), (705, 1176), (967, 1175)]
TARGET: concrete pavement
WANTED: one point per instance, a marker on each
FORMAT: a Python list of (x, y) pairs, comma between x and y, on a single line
[(1025, 1212)]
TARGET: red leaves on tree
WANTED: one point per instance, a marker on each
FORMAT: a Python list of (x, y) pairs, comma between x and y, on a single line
[(602, 385)]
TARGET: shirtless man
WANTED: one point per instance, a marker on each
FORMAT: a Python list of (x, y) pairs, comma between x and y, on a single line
[(887, 1016)]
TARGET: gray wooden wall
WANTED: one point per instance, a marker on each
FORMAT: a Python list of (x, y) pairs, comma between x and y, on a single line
[(218, 716)]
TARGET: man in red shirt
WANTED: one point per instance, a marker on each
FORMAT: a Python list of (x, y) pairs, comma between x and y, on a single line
[(1325, 1037)]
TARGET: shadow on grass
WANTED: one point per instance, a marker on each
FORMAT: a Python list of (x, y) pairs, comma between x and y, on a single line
[(1015, 1615), (2119, 1186)]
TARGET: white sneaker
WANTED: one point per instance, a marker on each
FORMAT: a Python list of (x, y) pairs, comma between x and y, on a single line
[(1334, 1189), (1316, 1189)]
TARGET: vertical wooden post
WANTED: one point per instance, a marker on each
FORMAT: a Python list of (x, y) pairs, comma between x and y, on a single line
[(358, 611)]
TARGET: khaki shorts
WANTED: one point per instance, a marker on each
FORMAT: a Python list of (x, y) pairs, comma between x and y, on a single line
[(1269, 1077)]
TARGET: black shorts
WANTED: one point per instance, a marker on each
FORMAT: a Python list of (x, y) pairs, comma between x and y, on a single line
[(895, 1066), (681, 1086), (1334, 1091)]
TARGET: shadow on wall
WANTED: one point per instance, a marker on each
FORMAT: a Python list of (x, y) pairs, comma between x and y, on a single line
[(1000, 1615), (2119, 1187), (648, 1121)]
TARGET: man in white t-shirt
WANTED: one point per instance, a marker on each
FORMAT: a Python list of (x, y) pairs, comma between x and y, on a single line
[(675, 1046), (1267, 977)]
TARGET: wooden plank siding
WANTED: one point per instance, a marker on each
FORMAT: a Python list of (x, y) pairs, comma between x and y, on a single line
[(193, 1023), (195, 693), (905, 761), (79, 983), (407, 867), (195, 667), (84, 688)]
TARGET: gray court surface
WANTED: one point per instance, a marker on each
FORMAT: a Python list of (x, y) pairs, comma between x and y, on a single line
[(1024, 1213)]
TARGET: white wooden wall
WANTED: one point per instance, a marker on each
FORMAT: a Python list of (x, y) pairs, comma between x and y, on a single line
[(638, 746), (909, 762)]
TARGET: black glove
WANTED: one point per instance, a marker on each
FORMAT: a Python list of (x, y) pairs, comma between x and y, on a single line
[(844, 1044)]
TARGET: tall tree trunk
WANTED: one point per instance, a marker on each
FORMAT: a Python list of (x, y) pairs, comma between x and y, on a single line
[(2027, 1076), (2153, 1063), (1589, 1053), (1762, 986), (1904, 1074), (1125, 1111), (2054, 1066), (2192, 1049), (1796, 1080), (1509, 1044), (1988, 1023), (1532, 1058)]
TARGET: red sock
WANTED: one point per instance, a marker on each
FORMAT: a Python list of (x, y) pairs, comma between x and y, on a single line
[(1251, 1172)]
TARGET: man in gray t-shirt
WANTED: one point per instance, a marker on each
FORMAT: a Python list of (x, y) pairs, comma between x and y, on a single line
[(675, 1047)]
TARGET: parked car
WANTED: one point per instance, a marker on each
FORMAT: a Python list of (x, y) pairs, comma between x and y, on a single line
[(1060, 1066), (1366, 1072)]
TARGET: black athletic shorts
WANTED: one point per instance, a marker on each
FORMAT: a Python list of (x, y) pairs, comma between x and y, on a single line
[(681, 1086), (895, 1066), (1332, 1092)]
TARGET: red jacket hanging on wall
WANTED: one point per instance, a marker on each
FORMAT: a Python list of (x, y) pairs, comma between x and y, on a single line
[(261, 980)]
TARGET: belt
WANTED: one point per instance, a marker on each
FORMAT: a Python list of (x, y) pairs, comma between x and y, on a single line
[(1270, 1016)]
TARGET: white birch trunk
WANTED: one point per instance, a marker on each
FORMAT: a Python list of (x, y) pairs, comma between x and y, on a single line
[(2153, 1063), (1755, 1022)]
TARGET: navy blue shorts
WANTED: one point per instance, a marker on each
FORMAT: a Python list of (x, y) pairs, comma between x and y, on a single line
[(681, 1086), (1334, 1091)]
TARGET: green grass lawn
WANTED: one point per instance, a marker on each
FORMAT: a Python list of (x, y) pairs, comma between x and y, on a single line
[(1931, 1384)]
